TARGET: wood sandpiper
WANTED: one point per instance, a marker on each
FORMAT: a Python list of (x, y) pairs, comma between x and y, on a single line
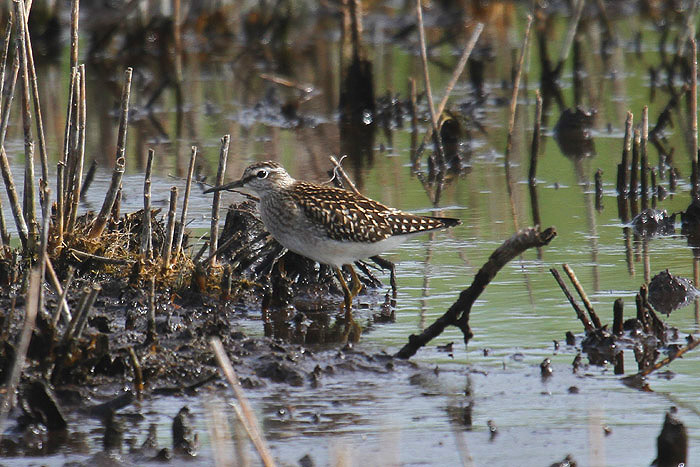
[(327, 224)]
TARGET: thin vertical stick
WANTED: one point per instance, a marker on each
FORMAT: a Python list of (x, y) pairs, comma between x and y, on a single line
[(516, 88), (8, 96), (426, 78), (72, 155), (3, 59), (146, 229), (28, 207), (80, 155), (185, 202), (12, 196), (214, 230), (644, 160), (535, 148), (21, 352), (60, 168), (4, 235), (106, 210), (170, 228), (623, 182), (634, 168), (100, 222), (694, 97), (74, 20), (456, 73), (37, 105), (243, 410), (44, 245), (67, 131)]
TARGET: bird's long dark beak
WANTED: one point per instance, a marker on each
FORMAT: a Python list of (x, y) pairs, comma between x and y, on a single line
[(228, 186)]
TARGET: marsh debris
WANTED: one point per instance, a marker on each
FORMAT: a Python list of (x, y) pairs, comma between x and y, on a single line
[(668, 292)]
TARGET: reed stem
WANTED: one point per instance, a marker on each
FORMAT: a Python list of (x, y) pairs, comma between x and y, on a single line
[(185, 202), (146, 229), (214, 230)]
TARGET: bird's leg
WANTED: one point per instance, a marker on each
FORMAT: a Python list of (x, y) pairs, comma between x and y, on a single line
[(347, 295), (356, 284)]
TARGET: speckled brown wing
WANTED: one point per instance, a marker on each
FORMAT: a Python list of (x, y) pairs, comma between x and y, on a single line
[(346, 216)]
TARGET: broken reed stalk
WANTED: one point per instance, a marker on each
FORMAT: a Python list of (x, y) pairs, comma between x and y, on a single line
[(22, 347), (456, 73), (58, 225), (5, 50), (170, 228), (584, 297), (428, 92), (7, 98), (44, 244), (571, 33), (694, 98), (618, 317), (214, 229), (70, 330), (84, 311), (415, 158), (37, 105), (634, 168), (138, 374), (146, 227), (4, 235), (71, 158), (339, 172), (74, 36), (67, 132), (185, 202), (100, 221), (623, 169), (243, 409), (80, 154), (62, 304), (536, 133), (14, 199), (516, 89), (587, 325), (644, 159), (29, 199), (458, 313)]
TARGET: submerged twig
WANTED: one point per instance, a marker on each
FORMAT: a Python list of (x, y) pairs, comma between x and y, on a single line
[(458, 314), (536, 135), (243, 409)]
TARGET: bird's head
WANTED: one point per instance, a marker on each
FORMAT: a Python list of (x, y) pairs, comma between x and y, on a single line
[(260, 178)]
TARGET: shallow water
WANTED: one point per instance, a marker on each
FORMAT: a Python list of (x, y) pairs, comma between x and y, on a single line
[(407, 416)]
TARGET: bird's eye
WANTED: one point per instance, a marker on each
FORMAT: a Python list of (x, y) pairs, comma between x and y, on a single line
[(262, 174)]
